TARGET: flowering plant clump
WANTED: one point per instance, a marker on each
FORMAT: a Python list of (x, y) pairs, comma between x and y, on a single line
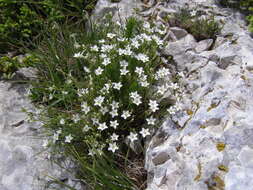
[(108, 90)]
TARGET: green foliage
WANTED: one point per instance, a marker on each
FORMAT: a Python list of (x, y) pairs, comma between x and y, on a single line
[(87, 81), (200, 28), (8, 66), (23, 20)]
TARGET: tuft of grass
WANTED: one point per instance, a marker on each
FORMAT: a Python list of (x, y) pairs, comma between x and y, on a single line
[(200, 28)]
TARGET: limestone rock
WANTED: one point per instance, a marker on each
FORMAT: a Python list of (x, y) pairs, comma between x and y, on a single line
[(203, 45)]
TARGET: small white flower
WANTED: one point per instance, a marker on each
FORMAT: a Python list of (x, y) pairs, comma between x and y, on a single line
[(86, 69), (64, 92), (123, 63), (171, 110), (123, 71), (82, 92), (122, 39), (113, 147), (151, 121), (107, 48), (77, 45), (102, 126), (68, 139), (99, 71), (136, 98), (101, 41), (94, 48), (98, 101), (62, 121), (114, 124), (50, 96), (139, 70), (86, 128), (126, 114), (76, 118), (135, 43), (55, 137), (104, 110), (161, 89), (144, 132), (103, 55), (115, 105), (79, 55), (106, 61), (117, 86), (114, 137), (114, 113), (146, 25), (174, 86), (85, 107), (110, 35), (45, 143), (153, 105), (146, 37), (95, 121), (142, 57), (144, 83), (157, 40), (59, 131), (133, 137)]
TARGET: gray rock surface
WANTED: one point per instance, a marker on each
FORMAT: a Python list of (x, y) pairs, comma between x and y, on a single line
[(209, 144), (23, 163)]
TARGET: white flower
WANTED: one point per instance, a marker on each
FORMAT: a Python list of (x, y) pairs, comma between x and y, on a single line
[(146, 37), (139, 70), (107, 48), (113, 147), (144, 132), (161, 89), (98, 101), (133, 137), (45, 143), (146, 25), (86, 128), (85, 107), (68, 139), (64, 92), (123, 71), (136, 98), (110, 35), (142, 57), (123, 63), (114, 137), (126, 114), (115, 105), (126, 51), (86, 69), (102, 126), (79, 55), (122, 39), (81, 92), (55, 137), (117, 86), (144, 83), (153, 105), (50, 96), (59, 131), (95, 121), (114, 124), (94, 48), (157, 40), (162, 73), (171, 110), (114, 113), (103, 55), (62, 121), (101, 41), (76, 118), (174, 86), (135, 43), (99, 71), (104, 110), (77, 45), (151, 121), (106, 61)]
